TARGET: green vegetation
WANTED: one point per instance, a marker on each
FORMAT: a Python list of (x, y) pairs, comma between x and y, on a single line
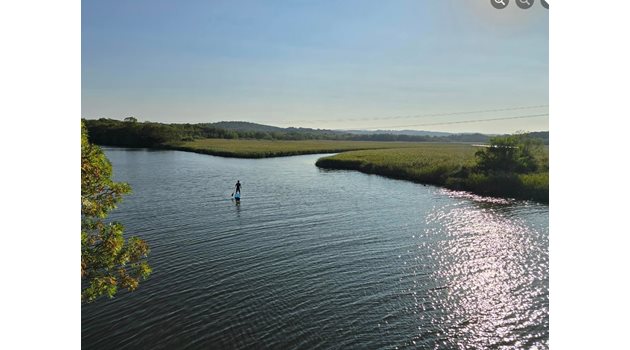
[(278, 148), (131, 133), (514, 166), (425, 163), (108, 261), (512, 154)]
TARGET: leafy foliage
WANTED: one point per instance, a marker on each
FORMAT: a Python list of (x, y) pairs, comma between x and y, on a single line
[(511, 153), (108, 261)]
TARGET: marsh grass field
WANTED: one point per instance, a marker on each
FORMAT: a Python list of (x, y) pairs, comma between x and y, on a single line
[(448, 165), (251, 148), (425, 163), (451, 165)]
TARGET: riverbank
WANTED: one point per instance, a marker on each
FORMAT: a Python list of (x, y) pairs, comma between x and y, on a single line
[(239, 148), (441, 164), (446, 165)]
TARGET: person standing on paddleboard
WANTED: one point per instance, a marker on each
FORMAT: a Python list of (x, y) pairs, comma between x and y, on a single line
[(238, 186)]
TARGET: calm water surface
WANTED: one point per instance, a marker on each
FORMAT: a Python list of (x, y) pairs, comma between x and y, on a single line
[(315, 259)]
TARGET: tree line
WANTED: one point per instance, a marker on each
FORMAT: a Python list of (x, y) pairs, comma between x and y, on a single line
[(131, 133)]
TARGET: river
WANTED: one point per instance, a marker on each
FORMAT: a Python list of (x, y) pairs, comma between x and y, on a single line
[(318, 259)]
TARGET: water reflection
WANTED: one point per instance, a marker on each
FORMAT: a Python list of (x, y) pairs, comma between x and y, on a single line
[(487, 282), (237, 205)]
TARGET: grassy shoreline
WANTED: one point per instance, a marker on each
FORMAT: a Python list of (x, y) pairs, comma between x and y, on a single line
[(447, 165), (240, 148), (442, 165)]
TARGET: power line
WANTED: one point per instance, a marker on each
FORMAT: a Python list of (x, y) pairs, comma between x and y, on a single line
[(425, 116), (412, 116), (462, 121)]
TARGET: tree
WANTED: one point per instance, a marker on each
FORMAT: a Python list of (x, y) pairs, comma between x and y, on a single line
[(108, 261), (131, 120), (512, 153)]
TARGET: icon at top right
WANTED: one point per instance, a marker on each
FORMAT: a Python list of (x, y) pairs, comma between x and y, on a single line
[(545, 4)]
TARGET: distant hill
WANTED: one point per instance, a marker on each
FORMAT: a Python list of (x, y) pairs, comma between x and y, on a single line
[(398, 132), (385, 135), (255, 127), (245, 126), (148, 134)]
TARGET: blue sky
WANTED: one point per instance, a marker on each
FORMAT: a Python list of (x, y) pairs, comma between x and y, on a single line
[(322, 64)]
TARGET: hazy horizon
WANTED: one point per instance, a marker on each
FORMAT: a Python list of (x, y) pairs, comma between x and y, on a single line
[(344, 65)]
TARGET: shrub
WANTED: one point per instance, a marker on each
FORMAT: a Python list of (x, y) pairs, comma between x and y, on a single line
[(512, 154)]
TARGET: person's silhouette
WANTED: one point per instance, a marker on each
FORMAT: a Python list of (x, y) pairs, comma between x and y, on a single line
[(238, 186)]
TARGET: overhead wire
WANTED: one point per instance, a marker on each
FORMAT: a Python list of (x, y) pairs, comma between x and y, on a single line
[(427, 115), (458, 122), (384, 127)]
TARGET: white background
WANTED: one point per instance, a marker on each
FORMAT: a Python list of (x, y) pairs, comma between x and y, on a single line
[(40, 106)]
